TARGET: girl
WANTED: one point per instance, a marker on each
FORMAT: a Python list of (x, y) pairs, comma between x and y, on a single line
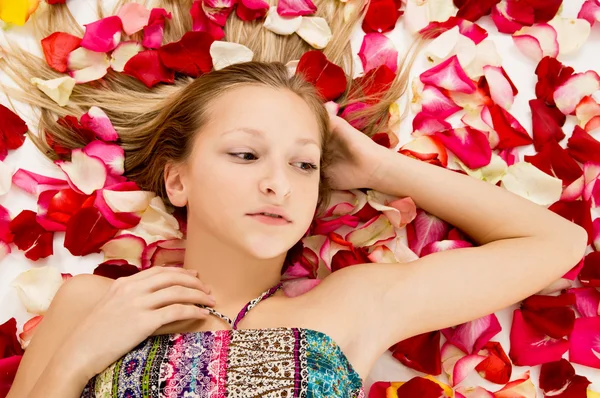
[(251, 153)]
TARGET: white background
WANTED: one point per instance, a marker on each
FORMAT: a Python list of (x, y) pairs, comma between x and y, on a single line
[(519, 68)]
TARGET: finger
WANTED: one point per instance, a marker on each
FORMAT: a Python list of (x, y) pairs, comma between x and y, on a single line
[(178, 294), (177, 312), (166, 279), (154, 271)]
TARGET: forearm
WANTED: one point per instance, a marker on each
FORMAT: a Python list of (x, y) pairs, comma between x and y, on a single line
[(482, 210), (60, 379)]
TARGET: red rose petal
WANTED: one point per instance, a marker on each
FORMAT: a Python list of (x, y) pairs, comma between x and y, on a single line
[(497, 367), (71, 123), (381, 16), (510, 132), (585, 342), (590, 273), (544, 10), (449, 75), (87, 231), (547, 122), (465, 28), (377, 49), (250, 10), (471, 146), (329, 79), (30, 237), (12, 131), (201, 23), (8, 371), (582, 147), (421, 352), (57, 48), (115, 269), (551, 74), (472, 10), (190, 55), (577, 211), (373, 84), (154, 31), (146, 67), (294, 8), (556, 162), (9, 345)]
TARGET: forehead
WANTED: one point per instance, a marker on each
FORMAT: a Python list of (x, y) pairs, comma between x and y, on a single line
[(279, 113)]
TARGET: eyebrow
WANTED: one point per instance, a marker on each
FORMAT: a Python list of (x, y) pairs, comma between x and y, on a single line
[(258, 133)]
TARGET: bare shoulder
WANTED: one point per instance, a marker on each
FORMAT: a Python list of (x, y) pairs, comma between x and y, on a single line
[(73, 301)]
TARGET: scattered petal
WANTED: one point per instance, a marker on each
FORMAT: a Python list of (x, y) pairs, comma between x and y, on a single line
[(547, 122), (59, 90), (469, 145), (154, 31), (123, 53), (529, 182), (376, 50), (486, 54), (449, 43), (191, 55), (156, 224), (568, 95), (315, 31), (201, 23), (125, 247), (36, 183), (450, 76), (30, 237), (571, 33), (501, 88), (163, 252), (225, 53), (381, 16), (37, 287), (87, 231), (585, 348), (294, 8), (57, 48), (85, 173), (537, 41), (134, 17), (86, 66), (146, 67), (422, 353), (582, 147), (96, 120), (590, 11), (12, 131), (279, 24), (329, 78)]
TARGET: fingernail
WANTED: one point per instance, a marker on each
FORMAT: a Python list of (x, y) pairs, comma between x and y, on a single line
[(212, 299)]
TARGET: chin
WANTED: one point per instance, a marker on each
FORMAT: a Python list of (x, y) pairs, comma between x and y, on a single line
[(268, 247)]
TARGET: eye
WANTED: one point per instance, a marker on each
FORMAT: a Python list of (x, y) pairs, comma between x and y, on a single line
[(244, 155), (307, 166)]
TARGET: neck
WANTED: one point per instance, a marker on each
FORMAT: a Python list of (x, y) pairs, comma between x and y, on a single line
[(234, 276)]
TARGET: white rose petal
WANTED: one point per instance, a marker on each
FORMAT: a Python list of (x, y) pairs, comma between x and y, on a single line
[(36, 288), (59, 89), (315, 31), (225, 53)]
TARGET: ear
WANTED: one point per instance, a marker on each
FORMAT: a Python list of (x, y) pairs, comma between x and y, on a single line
[(175, 185)]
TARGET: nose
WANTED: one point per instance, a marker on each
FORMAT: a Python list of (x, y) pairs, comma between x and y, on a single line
[(276, 183)]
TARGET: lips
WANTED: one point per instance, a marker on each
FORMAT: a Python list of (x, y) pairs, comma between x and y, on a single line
[(273, 212)]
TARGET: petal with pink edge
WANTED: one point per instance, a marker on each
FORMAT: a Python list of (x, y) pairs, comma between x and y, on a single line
[(86, 66), (590, 11), (587, 299), (568, 95), (500, 88), (377, 49), (537, 41), (59, 90), (125, 247), (112, 155), (522, 387), (431, 100), (376, 230), (36, 288), (399, 211), (486, 54), (529, 182), (469, 145), (163, 252), (464, 366), (134, 17), (123, 53), (103, 35), (156, 223), (586, 110), (279, 24), (96, 120), (585, 342), (492, 173), (85, 173), (571, 33), (451, 43), (154, 31), (36, 183), (426, 124), (471, 336), (450, 76), (294, 8)]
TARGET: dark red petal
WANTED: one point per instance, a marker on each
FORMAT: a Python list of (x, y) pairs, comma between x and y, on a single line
[(30, 236), (87, 231), (551, 74), (115, 269), (12, 130), (382, 139), (346, 258), (421, 352), (577, 211), (555, 375), (472, 10), (582, 147), (70, 122), (146, 67), (322, 226), (590, 273), (62, 204), (366, 213), (555, 161), (497, 367), (544, 10), (328, 78), (190, 55), (248, 14), (57, 48), (420, 387), (381, 16), (53, 2), (9, 344), (554, 322), (546, 123), (374, 83), (510, 132), (466, 28), (8, 371), (201, 23)]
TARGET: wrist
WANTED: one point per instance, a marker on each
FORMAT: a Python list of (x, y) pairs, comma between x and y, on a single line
[(71, 365), (382, 161)]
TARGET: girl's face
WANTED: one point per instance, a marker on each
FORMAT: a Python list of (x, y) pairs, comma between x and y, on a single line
[(261, 148)]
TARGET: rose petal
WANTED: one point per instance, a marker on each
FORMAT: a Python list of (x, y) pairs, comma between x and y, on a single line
[(87, 231), (486, 54), (585, 349), (422, 353), (103, 35), (427, 124), (415, 16), (470, 337), (399, 211), (123, 53), (469, 145), (28, 330), (551, 74), (125, 247), (96, 120), (156, 224), (501, 88), (154, 31), (134, 17), (466, 28), (449, 75), (279, 24), (57, 48), (529, 182), (492, 173), (587, 300), (537, 41), (376, 230), (510, 16), (522, 387), (294, 8), (568, 95), (146, 67), (381, 16), (250, 10), (55, 207), (37, 287), (571, 33), (163, 252), (18, 12), (547, 123), (510, 132), (472, 10), (451, 43), (191, 55), (59, 90), (225, 53), (463, 367), (12, 131), (30, 237), (497, 367), (315, 31), (424, 230), (590, 11), (582, 147), (426, 148), (376, 50), (86, 66), (201, 23), (85, 173), (329, 79), (36, 183), (115, 269)]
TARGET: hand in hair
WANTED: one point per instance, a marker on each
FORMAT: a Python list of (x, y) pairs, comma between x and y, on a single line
[(356, 158)]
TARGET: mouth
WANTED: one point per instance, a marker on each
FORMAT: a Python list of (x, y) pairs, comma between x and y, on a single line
[(270, 218)]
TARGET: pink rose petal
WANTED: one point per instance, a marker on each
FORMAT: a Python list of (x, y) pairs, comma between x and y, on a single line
[(590, 11), (537, 41), (500, 88), (134, 17), (295, 8), (587, 300), (154, 31), (464, 366), (37, 183), (449, 75), (298, 287), (85, 173), (96, 120), (112, 155), (469, 145), (427, 124), (377, 49), (103, 35), (201, 23), (434, 102), (568, 95), (585, 342), (471, 336)]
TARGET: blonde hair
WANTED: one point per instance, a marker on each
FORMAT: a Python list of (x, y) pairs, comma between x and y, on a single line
[(154, 125)]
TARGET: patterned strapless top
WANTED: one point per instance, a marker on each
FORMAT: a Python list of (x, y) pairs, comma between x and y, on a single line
[(274, 362)]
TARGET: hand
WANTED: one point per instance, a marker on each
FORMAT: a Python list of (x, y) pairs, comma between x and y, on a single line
[(131, 310), (355, 159)]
